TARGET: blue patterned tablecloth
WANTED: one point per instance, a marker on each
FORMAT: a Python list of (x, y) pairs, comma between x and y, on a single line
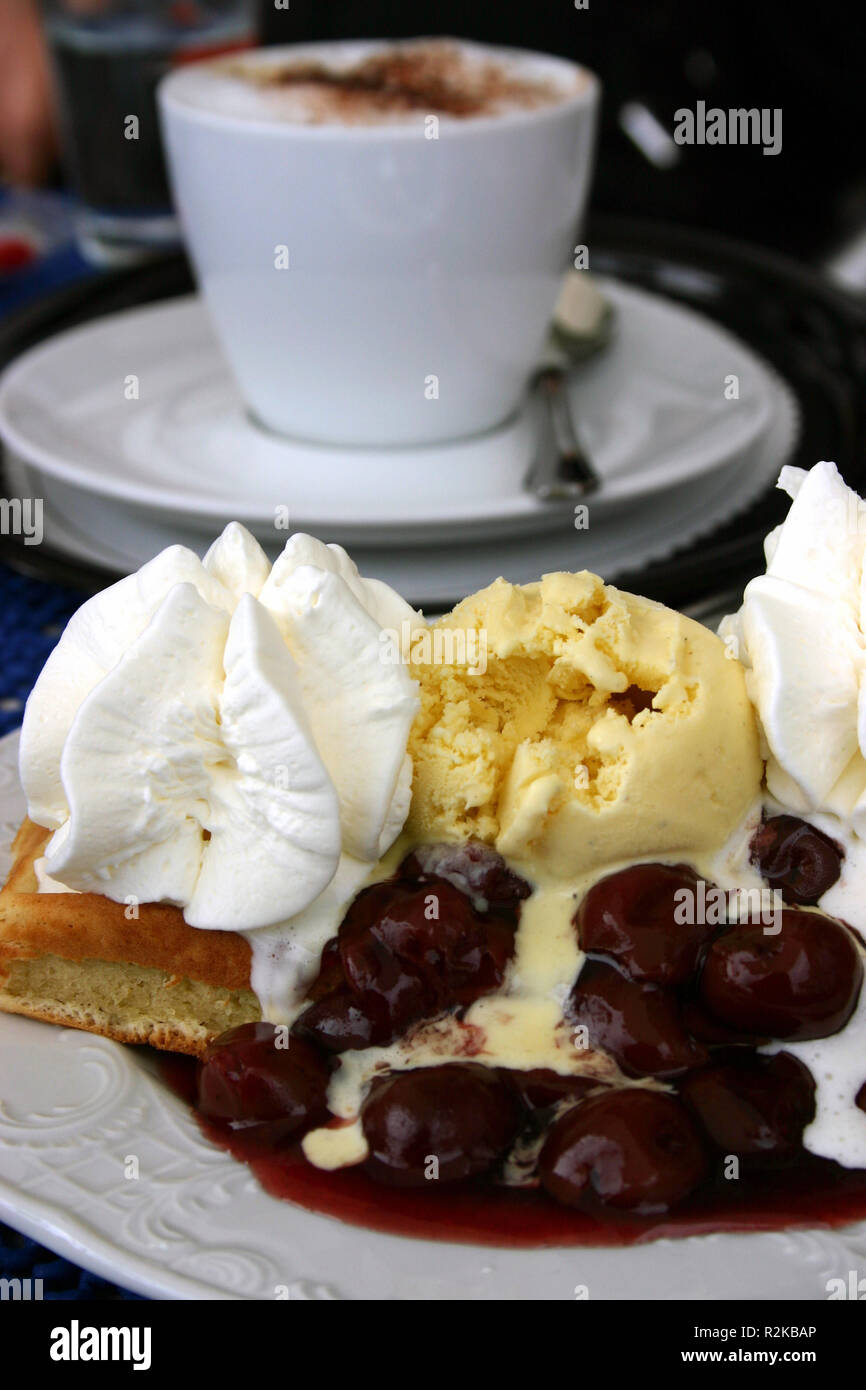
[(32, 616)]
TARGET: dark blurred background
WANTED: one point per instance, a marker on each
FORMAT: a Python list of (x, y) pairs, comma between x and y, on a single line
[(666, 54), (653, 59)]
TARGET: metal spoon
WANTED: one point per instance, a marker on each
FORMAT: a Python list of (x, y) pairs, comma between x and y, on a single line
[(560, 469)]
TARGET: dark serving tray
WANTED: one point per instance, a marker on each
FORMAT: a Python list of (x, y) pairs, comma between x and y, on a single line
[(813, 334)]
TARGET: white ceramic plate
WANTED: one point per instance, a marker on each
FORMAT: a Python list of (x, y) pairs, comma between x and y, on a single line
[(195, 1224), (651, 410), (104, 531)]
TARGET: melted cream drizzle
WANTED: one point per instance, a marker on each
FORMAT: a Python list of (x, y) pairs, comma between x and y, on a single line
[(522, 1027)]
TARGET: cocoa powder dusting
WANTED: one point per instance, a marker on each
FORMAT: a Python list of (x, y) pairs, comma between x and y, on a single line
[(436, 78)]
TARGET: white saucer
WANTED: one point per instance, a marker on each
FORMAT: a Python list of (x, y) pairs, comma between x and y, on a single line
[(651, 410), (114, 534)]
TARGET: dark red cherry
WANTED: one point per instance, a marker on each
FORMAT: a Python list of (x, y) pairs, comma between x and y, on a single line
[(798, 859), (463, 1117), (801, 982), (421, 950), (627, 1148), (330, 976), (860, 1098), (753, 1104), (405, 952), (540, 1088), (700, 1024), (639, 1024), (339, 1022), (247, 1078), (640, 917), (476, 869)]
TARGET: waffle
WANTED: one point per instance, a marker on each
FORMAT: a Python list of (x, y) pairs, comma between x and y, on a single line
[(78, 960)]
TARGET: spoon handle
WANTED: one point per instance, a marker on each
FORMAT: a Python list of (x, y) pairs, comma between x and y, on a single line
[(560, 470)]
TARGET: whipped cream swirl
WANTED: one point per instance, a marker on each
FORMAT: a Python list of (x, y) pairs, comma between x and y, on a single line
[(801, 634), (223, 735)]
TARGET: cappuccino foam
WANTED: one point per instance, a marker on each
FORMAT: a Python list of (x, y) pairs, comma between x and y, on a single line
[(395, 84)]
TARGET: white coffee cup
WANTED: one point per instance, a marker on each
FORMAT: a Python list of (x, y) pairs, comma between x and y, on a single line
[(369, 284)]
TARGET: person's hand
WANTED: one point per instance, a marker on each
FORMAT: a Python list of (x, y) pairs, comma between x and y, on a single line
[(28, 128)]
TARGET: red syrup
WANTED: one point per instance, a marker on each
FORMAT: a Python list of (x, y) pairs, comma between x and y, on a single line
[(644, 983), (805, 1192)]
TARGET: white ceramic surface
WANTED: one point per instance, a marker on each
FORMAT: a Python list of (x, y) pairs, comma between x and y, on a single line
[(82, 525), (650, 409), (196, 1225), (346, 266), (118, 535)]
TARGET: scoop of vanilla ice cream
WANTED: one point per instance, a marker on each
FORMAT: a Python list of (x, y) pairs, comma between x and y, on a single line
[(223, 735), (800, 635), (605, 727)]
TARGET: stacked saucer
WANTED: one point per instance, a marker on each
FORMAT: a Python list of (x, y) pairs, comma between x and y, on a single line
[(133, 432)]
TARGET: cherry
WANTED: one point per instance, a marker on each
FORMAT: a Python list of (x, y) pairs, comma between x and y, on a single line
[(802, 982), (404, 953), (338, 1022), (426, 942), (330, 976), (632, 916), (462, 1116), (473, 867), (540, 1088), (860, 1098), (795, 857), (246, 1080), (627, 1148), (706, 1029), (639, 1024), (753, 1104)]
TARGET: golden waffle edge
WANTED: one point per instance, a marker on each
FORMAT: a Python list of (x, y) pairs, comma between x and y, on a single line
[(80, 960)]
